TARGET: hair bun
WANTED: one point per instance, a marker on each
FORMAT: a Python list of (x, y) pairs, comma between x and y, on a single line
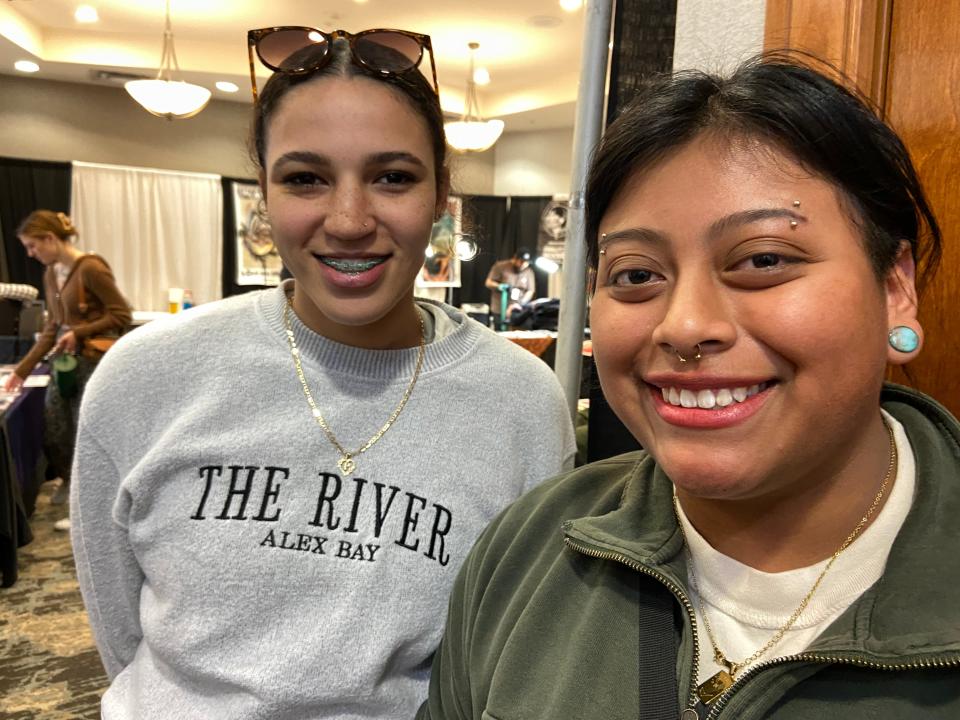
[(67, 223)]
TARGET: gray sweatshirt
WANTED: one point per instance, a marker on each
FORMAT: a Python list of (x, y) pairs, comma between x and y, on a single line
[(230, 570)]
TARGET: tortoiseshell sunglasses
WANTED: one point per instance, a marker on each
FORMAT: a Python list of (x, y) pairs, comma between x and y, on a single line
[(282, 50)]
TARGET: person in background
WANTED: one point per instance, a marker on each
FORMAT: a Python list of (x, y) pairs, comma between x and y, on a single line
[(266, 525), (514, 278), (85, 313), (784, 547)]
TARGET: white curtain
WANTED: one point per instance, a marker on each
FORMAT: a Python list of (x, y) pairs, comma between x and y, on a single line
[(158, 229)]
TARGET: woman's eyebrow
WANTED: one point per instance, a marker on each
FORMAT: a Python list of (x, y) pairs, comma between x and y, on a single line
[(383, 158), (717, 228), (745, 217), (302, 156), (642, 234)]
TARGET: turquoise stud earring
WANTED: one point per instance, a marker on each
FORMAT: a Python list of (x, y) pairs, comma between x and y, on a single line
[(903, 339)]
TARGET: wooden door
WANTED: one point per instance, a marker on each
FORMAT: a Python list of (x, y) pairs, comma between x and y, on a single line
[(905, 56)]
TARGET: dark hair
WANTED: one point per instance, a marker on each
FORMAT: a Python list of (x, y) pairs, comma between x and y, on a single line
[(413, 86), (47, 221), (778, 99)]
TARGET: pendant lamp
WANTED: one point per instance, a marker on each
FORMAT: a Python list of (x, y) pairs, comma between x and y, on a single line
[(471, 133), (163, 96)]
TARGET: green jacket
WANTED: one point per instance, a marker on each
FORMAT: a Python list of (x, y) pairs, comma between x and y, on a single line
[(543, 620)]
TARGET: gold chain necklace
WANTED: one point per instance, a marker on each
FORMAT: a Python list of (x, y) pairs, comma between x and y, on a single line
[(347, 462), (716, 685)]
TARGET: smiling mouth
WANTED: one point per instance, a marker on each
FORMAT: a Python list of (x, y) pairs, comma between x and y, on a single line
[(351, 266), (709, 399)]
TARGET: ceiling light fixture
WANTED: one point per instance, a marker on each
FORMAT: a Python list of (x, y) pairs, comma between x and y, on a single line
[(27, 66), (471, 133), (229, 87), (571, 5), (86, 14), (163, 96), (481, 76)]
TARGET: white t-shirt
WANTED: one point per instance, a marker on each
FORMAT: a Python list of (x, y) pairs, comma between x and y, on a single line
[(747, 606)]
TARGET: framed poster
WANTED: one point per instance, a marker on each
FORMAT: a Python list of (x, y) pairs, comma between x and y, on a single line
[(258, 262), (553, 230), (442, 266)]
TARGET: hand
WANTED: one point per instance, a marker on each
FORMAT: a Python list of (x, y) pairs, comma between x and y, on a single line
[(13, 383), (67, 343), (503, 286)]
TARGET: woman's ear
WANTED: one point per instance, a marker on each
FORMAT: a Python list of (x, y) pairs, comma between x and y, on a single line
[(904, 332)]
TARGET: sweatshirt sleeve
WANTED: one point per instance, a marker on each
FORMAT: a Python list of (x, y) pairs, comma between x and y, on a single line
[(554, 449), (48, 335), (100, 283), (110, 576), (450, 695)]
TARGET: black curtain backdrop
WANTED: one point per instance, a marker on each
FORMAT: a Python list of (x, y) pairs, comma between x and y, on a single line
[(25, 186), (229, 268), (643, 35), (523, 230), (484, 219)]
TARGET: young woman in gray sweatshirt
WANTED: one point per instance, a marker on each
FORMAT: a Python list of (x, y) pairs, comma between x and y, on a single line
[(274, 492)]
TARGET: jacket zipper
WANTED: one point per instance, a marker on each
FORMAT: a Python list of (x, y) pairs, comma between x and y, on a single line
[(677, 592), (722, 701)]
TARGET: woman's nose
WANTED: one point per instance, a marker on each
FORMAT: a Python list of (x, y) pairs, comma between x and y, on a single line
[(349, 215), (698, 320)]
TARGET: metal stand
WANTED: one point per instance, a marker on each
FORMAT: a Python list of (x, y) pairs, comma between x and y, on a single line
[(587, 131)]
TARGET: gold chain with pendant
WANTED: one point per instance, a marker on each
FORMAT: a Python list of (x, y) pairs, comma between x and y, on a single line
[(347, 462), (716, 685)]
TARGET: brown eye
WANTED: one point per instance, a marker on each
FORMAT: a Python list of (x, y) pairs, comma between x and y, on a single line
[(765, 260), (633, 277)]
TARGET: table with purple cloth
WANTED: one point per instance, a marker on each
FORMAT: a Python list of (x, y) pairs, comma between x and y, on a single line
[(21, 438)]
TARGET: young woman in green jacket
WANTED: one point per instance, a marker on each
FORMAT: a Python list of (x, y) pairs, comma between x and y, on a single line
[(755, 244)]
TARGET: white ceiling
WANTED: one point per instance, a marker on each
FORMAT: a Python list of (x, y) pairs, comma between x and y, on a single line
[(530, 47)]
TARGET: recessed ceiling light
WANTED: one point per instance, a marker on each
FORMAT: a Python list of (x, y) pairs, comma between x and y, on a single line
[(227, 86), (544, 21), (571, 5), (481, 76), (26, 66), (86, 14)]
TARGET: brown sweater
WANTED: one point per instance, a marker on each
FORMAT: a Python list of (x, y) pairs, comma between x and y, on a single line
[(106, 311)]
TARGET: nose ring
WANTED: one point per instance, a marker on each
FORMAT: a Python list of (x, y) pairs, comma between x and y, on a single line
[(683, 359)]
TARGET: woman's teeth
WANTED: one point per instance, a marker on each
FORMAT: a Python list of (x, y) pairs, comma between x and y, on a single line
[(352, 267), (709, 399)]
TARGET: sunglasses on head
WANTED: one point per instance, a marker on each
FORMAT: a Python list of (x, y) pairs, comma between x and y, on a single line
[(301, 50)]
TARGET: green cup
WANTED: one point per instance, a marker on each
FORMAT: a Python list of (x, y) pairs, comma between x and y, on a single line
[(65, 374)]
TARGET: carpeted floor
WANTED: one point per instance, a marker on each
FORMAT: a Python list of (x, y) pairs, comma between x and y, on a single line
[(49, 667)]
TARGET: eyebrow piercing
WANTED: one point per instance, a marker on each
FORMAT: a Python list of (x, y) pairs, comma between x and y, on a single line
[(796, 203)]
